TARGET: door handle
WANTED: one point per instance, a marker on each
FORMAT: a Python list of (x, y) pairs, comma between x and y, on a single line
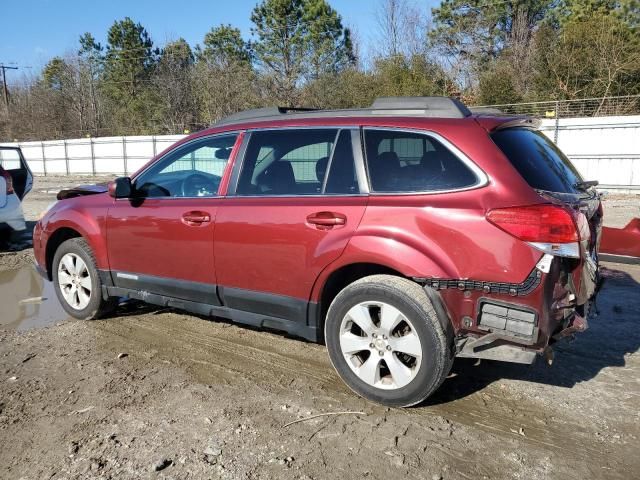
[(327, 220), (196, 218)]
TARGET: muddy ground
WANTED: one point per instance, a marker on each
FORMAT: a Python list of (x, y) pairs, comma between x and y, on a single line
[(154, 393)]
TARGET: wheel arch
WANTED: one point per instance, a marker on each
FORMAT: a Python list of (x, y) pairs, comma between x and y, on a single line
[(75, 226), (367, 255), (57, 238), (337, 280)]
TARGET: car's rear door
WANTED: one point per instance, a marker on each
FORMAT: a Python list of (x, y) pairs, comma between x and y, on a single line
[(12, 160), (161, 240), (290, 211)]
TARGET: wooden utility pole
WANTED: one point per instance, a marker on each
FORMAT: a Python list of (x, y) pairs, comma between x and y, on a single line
[(4, 83)]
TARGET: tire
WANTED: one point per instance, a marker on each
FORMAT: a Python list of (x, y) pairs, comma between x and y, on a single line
[(74, 270), (416, 341)]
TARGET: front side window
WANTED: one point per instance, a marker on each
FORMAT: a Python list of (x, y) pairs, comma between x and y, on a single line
[(297, 162), (399, 161), (192, 170)]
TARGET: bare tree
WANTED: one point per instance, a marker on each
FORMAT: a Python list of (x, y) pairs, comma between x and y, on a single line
[(403, 29)]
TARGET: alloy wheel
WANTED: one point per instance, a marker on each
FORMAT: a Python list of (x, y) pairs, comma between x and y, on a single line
[(74, 281), (380, 345)]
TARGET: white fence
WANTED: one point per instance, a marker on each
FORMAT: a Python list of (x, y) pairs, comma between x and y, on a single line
[(103, 155), (606, 149)]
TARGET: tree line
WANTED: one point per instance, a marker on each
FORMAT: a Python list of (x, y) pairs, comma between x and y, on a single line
[(301, 54)]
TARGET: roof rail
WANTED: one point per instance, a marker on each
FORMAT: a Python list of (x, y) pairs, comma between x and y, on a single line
[(258, 113), (435, 107)]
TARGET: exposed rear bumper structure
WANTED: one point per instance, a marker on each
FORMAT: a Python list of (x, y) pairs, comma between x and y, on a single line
[(518, 322), (576, 324), (494, 346)]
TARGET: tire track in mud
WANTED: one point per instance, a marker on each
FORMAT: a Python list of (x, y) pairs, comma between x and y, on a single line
[(570, 438), (216, 352), (181, 341)]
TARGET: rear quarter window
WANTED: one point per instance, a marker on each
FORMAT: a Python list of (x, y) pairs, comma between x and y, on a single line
[(538, 160), (404, 162)]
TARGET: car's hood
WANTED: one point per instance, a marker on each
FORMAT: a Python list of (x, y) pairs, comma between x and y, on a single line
[(82, 190)]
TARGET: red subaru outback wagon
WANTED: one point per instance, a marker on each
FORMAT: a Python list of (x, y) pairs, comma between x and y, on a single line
[(402, 235)]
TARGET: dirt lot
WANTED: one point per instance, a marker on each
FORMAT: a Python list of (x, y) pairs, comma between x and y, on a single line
[(160, 394)]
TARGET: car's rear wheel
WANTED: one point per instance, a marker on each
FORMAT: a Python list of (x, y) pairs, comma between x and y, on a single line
[(386, 342), (77, 282)]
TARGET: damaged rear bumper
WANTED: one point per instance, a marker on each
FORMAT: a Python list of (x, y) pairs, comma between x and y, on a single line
[(514, 331), (494, 346)]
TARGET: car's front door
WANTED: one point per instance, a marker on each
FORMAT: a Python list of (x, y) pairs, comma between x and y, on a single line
[(161, 240), (290, 211)]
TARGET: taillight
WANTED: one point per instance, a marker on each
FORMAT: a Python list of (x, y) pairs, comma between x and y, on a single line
[(9, 180), (549, 228)]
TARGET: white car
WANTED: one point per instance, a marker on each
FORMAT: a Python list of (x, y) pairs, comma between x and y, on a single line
[(16, 181)]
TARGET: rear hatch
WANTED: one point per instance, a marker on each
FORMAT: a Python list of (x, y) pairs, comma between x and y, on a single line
[(547, 170), (13, 162)]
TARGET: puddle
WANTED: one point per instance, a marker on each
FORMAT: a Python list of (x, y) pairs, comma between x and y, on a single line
[(27, 300)]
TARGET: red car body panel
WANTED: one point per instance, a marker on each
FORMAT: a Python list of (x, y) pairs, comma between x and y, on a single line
[(152, 239), (622, 241), (451, 234), (86, 215), (267, 244)]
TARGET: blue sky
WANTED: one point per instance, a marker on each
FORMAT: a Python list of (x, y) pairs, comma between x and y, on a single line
[(33, 31)]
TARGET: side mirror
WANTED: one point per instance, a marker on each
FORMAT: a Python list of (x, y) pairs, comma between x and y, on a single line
[(120, 187)]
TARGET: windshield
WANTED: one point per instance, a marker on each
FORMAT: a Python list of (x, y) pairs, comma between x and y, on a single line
[(538, 160)]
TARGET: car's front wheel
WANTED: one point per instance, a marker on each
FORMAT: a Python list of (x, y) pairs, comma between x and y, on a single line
[(386, 342), (77, 283)]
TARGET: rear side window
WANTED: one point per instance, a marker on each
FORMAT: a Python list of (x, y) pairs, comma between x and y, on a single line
[(297, 162), (10, 159), (538, 160), (400, 161)]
